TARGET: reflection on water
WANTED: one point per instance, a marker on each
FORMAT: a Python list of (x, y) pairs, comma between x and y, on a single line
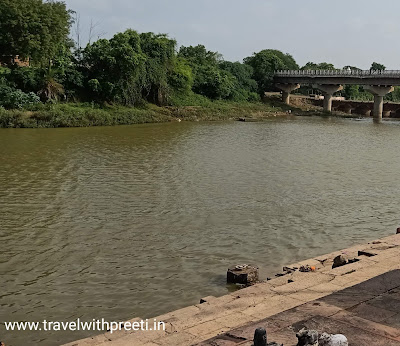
[(121, 222)]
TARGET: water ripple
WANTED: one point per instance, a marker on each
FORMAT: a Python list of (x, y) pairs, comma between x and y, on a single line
[(140, 220)]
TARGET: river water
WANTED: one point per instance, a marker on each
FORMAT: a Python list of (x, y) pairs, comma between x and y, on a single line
[(136, 221)]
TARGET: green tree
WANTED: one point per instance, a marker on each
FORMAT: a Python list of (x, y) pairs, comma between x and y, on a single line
[(351, 92), (51, 90), (320, 66), (246, 86), (33, 29), (199, 55), (208, 79), (377, 67), (119, 66), (159, 51), (264, 65), (28, 79), (180, 77)]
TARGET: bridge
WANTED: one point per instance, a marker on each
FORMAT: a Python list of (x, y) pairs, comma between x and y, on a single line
[(379, 83)]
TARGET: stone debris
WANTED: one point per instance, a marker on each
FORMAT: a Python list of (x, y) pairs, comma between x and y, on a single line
[(243, 274), (339, 261), (312, 338), (332, 340), (307, 337)]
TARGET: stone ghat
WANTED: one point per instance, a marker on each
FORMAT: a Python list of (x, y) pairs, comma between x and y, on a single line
[(213, 319)]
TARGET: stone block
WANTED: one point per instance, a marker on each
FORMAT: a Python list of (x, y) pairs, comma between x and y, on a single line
[(242, 274)]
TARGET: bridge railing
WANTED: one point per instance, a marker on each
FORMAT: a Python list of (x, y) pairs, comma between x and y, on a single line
[(339, 73)]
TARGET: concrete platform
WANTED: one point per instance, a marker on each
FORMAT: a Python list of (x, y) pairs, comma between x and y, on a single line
[(360, 300), (367, 313)]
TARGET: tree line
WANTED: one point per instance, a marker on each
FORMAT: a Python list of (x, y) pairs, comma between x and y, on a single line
[(130, 69)]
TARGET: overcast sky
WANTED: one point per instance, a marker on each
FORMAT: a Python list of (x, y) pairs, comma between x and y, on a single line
[(342, 32)]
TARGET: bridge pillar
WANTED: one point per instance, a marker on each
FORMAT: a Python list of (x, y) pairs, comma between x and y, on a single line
[(286, 90), (328, 91), (379, 92)]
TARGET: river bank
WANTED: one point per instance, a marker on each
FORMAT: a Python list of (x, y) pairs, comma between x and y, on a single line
[(86, 115), (358, 299)]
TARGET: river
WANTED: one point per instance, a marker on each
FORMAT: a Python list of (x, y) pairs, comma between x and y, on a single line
[(136, 221)]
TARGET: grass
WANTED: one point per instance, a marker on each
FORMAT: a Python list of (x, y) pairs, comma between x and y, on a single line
[(85, 115)]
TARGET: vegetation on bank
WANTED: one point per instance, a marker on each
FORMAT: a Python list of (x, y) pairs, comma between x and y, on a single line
[(83, 115), (47, 79)]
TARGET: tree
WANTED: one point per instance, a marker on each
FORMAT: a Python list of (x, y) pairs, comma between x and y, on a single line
[(199, 55), (264, 65), (208, 79), (351, 92), (118, 65), (33, 29), (211, 82), (51, 90), (320, 66), (246, 86), (377, 67), (180, 77), (159, 51)]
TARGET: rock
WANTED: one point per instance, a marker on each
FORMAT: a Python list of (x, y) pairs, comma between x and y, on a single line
[(312, 338), (307, 337), (398, 231), (206, 299), (339, 261), (332, 340), (242, 274)]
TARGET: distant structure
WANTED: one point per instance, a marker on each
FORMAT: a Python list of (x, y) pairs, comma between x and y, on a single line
[(379, 83), (14, 60)]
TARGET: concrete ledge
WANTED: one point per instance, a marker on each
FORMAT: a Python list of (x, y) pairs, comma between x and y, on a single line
[(197, 323)]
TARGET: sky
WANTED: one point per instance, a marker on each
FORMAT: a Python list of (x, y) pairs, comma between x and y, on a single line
[(342, 32)]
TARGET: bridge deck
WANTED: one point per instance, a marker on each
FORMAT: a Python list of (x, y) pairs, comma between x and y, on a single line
[(338, 77)]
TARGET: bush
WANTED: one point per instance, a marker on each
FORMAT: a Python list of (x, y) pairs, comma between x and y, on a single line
[(16, 99)]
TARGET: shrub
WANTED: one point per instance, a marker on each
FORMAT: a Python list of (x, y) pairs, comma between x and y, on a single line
[(16, 99)]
